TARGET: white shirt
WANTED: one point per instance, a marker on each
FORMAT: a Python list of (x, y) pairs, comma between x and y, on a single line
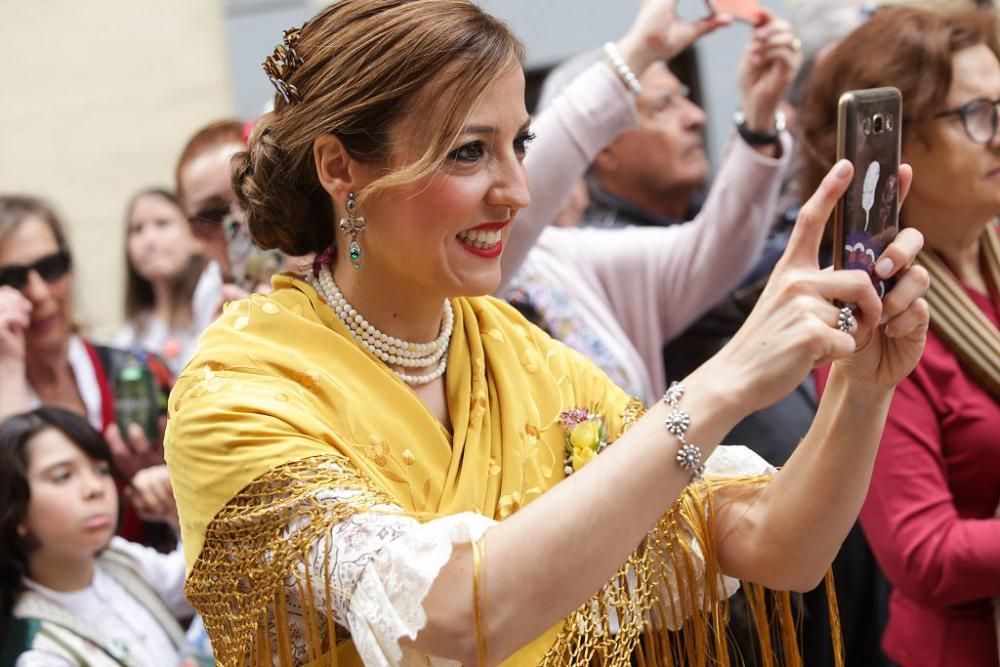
[(108, 608), (86, 382), (152, 333)]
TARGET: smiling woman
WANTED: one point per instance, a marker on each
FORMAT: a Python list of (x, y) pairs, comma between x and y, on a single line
[(373, 464)]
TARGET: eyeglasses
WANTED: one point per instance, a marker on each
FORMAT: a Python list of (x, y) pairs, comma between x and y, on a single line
[(979, 118), (51, 268)]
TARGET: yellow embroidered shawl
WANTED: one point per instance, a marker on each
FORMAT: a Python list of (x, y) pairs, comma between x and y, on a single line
[(279, 389)]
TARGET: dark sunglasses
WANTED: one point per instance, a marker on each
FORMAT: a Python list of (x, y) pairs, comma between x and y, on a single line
[(213, 217), (979, 119), (209, 217), (51, 268)]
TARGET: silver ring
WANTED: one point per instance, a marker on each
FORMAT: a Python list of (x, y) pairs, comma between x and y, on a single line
[(846, 320)]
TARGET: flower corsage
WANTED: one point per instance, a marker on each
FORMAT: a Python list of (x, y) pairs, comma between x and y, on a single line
[(586, 437)]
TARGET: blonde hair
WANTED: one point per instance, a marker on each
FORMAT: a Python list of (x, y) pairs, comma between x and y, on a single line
[(367, 64)]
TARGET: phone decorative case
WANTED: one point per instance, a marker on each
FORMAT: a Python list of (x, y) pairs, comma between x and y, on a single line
[(250, 266), (867, 217)]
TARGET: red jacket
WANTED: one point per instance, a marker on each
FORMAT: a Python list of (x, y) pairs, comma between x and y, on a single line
[(929, 514)]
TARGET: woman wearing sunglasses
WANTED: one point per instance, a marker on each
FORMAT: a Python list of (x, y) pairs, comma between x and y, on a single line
[(44, 361), (929, 515)]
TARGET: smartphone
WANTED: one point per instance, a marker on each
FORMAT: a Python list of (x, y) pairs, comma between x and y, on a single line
[(866, 218), (743, 10), (249, 266)]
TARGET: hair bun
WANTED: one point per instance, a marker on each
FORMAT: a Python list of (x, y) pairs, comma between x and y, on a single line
[(282, 212)]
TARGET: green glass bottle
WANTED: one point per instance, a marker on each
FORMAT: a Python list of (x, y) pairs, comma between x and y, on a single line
[(136, 398)]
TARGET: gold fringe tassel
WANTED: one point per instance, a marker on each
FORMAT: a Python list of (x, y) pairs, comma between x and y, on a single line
[(665, 607)]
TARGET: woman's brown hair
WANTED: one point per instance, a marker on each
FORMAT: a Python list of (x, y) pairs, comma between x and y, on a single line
[(139, 295), (366, 64), (15, 209), (218, 133), (905, 47)]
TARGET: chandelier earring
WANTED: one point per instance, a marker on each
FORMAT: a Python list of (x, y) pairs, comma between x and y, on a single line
[(353, 226)]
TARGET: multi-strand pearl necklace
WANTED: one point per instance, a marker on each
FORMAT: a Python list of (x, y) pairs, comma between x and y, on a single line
[(389, 349)]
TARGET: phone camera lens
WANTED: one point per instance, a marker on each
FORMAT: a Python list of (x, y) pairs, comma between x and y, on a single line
[(878, 123)]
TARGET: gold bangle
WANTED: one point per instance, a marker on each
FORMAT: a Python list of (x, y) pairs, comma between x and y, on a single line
[(478, 595)]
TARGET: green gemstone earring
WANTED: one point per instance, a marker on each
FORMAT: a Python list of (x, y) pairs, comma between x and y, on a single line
[(353, 225)]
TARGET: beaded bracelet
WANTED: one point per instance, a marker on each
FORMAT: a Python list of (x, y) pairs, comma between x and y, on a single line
[(678, 421), (629, 78)]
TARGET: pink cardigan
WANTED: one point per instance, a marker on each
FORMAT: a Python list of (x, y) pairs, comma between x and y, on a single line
[(637, 287)]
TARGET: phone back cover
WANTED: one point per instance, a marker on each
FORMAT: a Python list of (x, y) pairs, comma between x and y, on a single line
[(868, 214)]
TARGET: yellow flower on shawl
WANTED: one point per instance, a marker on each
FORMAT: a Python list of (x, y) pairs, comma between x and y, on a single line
[(583, 456), (377, 450), (586, 435)]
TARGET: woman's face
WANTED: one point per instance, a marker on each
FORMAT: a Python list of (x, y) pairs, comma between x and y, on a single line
[(160, 243), (51, 302), (208, 194), (73, 510), (952, 172), (444, 234)]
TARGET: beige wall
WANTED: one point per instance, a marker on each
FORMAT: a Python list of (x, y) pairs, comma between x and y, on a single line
[(97, 97)]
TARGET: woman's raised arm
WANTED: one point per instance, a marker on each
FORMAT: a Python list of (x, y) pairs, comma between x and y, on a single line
[(630, 486)]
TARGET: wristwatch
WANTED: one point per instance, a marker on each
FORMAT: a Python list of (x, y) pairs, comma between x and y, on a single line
[(759, 138)]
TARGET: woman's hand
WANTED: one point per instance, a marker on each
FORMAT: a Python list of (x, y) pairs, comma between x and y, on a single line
[(888, 353), (152, 495), (793, 327), (658, 34), (135, 452), (766, 70), (15, 318)]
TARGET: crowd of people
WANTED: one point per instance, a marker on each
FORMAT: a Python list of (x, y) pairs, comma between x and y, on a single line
[(408, 376)]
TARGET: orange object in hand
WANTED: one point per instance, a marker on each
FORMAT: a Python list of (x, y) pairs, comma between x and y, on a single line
[(744, 10)]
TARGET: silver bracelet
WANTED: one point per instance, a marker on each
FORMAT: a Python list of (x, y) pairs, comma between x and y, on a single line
[(628, 77), (678, 421)]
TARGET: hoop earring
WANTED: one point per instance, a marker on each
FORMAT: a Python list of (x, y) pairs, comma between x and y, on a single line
[(353, 226)]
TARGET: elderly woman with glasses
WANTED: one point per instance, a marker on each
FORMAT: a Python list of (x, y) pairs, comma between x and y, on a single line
[(44, 361), (929, 515)]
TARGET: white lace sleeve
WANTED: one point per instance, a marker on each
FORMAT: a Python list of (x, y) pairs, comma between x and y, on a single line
[(381, 566)]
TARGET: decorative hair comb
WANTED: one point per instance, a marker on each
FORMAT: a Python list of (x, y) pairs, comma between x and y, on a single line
[(281, 65)]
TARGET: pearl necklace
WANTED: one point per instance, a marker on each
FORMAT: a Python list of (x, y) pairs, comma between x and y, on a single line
[(389, 349)]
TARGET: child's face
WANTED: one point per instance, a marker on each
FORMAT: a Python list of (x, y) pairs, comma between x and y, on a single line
[(73, 510)]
